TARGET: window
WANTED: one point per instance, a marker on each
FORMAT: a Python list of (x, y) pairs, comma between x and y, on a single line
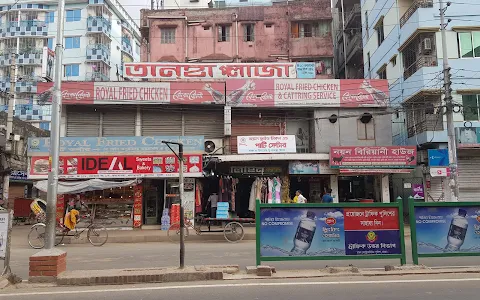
[(224, 33), (50, 18), (469, 44), (137, 48), (50, 43), (310, 29), (471, 107), (324, 66), (394, 61), (72, 42), (366, 25), (380, 32), (366, 131), (369, 66), (248, 33), (72, 70), (382, 73), (74, 15), (167, 35)]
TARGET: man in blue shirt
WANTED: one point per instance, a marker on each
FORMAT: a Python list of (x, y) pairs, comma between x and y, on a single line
[(327, 198)]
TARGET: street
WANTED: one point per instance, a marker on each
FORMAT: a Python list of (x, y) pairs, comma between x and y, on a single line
[(390, 288)]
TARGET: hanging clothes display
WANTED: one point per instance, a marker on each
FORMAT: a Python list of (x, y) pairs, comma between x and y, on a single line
[(198, 197), (265, 190)]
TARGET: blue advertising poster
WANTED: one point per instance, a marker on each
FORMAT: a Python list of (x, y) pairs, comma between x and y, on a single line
[(329, 231), (448, 229), (438, 157), (305, 70)]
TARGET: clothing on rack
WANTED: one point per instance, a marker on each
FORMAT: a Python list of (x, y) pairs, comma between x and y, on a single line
[(266, 190)]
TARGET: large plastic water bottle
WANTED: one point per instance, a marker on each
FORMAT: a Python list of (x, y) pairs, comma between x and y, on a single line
[(304, 235), (457, 232)]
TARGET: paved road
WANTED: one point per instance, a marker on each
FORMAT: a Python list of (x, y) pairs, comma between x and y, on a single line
[(144, 255), (388, 288)]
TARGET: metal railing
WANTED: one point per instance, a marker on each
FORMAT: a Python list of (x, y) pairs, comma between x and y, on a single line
[(25, 23), (351, 14), (100, 19), (98, 47), (432, 122), (126, 40), (353, 41), (422, 61), (413, 8), (97, 76)]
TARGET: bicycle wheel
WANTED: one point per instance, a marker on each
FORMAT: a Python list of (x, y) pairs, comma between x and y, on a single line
[(97, 235), (233, 232), (174, 232), (36, 236)]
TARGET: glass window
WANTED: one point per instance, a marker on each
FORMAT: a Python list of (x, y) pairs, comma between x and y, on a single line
[(466, 46), (248, 33), (72, 70), (74, 15), (50, 17), (224, 33), (380, 32), (72, 42), (167, 35), (50, 43), (476, 43), (470, 107)]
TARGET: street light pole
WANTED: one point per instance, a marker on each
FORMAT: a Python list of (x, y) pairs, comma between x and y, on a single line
[(452, 142), (55, 132), (181, 190)]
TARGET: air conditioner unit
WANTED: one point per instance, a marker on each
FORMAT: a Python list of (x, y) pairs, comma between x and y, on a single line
[(214, 146), (427, 44)]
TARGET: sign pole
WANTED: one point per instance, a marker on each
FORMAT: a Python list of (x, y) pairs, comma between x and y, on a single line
[(6, 263)]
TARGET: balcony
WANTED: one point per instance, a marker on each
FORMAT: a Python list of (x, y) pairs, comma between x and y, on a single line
[(99, 24), (31, 112), (430, 122), (96, 76), (96, 2), (354, 43), (422, 61), (127, 26), (27, 56), (24, 29), (26, 86), (413, 8), (98, 52), (127, 46), (352, 14)]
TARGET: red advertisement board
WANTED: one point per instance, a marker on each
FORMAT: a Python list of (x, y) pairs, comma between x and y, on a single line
[(371, 218), (373, 157), (137, 206), (121, 166), (364, 92), (72, 92), (197, 92)]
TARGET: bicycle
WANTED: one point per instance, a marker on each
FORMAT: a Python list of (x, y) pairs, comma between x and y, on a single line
[(173, 232), (94, 233)]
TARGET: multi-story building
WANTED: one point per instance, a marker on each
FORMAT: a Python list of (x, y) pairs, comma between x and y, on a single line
[(402, 42), (99, 37), (348, 39)]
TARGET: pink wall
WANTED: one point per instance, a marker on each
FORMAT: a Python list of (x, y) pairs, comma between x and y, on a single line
[(271, 33)]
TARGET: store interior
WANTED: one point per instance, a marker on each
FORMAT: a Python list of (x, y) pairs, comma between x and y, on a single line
[(361, 188), (312, 187)]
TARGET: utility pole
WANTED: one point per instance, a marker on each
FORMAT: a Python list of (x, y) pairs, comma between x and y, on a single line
[(452, 142), (9, 131), (55, 132)]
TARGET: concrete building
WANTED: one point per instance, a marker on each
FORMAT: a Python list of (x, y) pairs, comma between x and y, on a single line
[(99, 37), (348, 39), (402, 42)]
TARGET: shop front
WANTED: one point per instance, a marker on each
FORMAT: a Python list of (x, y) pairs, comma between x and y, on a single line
[(114, 162), (313, 179), (364, 171)]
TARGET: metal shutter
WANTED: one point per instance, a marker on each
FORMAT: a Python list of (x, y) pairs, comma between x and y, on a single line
[(118, 122), (469, 178), (436, 192), (208, 123), (82, 121), (161, 122)]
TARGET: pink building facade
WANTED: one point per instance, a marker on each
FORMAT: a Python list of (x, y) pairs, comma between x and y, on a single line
[(298, 32)]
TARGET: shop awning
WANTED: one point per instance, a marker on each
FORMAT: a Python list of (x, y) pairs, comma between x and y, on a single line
[(274, 156), (375, 171), (74, 187)]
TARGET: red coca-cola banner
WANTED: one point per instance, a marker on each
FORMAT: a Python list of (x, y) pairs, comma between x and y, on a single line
[(120, 166), (373, 157), (72, 92)]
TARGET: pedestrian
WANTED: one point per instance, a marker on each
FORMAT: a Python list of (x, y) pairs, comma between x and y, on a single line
[(300, 198), (327, 198)]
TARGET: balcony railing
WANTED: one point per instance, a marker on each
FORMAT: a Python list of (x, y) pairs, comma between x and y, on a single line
[(355, 40), (422, 61), (99, 24), (431, 123), (97, 76), (355, 11), (24, 28), (412, 9)]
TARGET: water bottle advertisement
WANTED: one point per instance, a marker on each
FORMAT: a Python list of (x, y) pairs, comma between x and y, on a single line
[(329, 231), (447, 229)]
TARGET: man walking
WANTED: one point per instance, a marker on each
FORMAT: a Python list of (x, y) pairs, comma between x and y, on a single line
[(327, 198)]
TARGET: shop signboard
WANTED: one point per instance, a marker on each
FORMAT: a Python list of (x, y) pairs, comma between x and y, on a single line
[(136, 92), (467, 136), (310, 168), (266, 144), (438, 158), (440, 172), (307, 93), (137, 206), (4, 220), (116, 157), (254, 170), (18, 175), (329, 231), (175, 71), (417, 191), (445, 229), (388, 157), (306, 70)]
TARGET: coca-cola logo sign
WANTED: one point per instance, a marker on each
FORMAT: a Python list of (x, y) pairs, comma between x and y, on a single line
[(78, 95), (187, 96), (359, 98), (259, 97)]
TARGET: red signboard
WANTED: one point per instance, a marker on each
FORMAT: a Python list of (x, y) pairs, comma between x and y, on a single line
[(364, 92), (121, 166), (197, 92), (72, 92), (387, 157), (137, 206), (371, 219)]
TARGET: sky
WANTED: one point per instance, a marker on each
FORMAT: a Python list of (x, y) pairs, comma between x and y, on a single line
[(133, 7)]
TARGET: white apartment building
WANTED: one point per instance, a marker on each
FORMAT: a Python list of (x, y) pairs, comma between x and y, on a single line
[(100, 36)]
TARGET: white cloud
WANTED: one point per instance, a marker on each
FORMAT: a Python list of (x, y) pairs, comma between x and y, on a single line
[(336, 214), (474, 216)]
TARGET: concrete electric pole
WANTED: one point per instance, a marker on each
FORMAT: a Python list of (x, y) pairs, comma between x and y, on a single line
[(9, 131), (452, 142), (55, 132)]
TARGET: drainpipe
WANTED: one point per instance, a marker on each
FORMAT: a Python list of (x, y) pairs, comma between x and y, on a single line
[(236, 36)]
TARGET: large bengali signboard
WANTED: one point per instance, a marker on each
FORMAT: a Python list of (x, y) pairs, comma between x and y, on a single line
[(388, 157), (328, 231), (467, 136), (116, 157), (266, 144)]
